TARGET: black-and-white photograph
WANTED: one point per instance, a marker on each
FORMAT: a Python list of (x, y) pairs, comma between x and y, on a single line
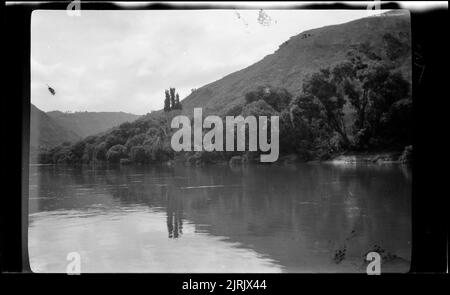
[(224, 147), (220, 141)]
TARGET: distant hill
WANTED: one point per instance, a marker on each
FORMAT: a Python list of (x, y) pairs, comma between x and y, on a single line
[(45, 133), (302, 54), (90, 123)]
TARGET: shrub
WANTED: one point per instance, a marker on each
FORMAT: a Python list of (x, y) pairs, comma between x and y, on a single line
[(100, 151), (137, 154), (277, 98), (135, 141), (115, 153)]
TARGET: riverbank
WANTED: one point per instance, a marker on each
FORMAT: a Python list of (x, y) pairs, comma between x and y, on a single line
[(367, 158), (386, 157), (347, 157)]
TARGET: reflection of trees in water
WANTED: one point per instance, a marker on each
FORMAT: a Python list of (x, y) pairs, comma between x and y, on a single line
[(367, 206), (285, 212), (174, 213), (311, 207), (153, 188), (174, 224)]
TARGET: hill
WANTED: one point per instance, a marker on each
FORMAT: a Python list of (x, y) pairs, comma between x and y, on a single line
[(299, 56), (45, 133), (90, 123)]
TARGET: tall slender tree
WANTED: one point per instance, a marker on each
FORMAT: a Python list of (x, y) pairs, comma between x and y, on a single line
[(172, 98), (178, 105), (167, 101)]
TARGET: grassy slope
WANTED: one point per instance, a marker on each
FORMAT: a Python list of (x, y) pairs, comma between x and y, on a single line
[(296, 58)]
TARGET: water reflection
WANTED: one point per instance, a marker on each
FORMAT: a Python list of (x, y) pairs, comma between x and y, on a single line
[(296, 219), (174, 215)]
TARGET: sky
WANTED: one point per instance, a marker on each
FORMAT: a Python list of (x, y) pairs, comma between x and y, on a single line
[(124, 60)]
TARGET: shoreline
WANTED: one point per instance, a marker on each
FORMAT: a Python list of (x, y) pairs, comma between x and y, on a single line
[(369, 158), (347, 158)]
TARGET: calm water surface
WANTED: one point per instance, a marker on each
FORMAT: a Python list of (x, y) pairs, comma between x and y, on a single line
[(300, 218)]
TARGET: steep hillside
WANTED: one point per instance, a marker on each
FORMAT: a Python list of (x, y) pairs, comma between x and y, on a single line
[(45, 133), (90, 123), (300, 55)]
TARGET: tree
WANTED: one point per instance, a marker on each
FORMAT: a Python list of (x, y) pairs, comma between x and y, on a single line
[(305, 128), (89, 153), (258, 108), (62, 154), (78, 149), (113, 139), (100, 151), (135, 141), (371, 87), (178, 105), (167, 101), (137, 154), (116, 153), (395, 47), (277, 98), (322, 86), (172, 98), (157, 148), (305, 106)]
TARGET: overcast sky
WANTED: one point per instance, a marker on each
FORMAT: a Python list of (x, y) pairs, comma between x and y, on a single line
[(124, 60)]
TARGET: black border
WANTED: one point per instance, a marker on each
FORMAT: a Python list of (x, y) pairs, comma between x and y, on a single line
[(429, 246)]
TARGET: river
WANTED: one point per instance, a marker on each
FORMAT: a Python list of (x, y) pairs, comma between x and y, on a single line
[(294, 218)]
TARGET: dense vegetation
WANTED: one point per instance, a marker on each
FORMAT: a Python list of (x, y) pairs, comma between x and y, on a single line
[(50, 129)]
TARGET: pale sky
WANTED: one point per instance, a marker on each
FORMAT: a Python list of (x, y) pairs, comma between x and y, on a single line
[(124, 60)]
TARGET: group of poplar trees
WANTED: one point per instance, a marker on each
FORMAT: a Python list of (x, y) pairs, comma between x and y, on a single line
[(172, 100)]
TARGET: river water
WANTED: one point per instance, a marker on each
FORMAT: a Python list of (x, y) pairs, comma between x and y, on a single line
[(295, 218)]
